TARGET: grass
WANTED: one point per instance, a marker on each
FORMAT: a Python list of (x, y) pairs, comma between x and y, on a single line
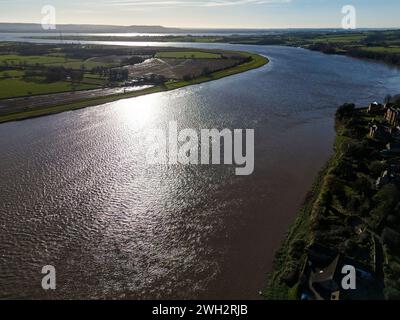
[(14, 87), (11, 73), (187, 55), (94, 80), (11, 59), (382, 49), (52, 61), (351, 38), (256, 62)]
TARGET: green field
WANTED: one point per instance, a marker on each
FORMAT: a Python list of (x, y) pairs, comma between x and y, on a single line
[(11, 73), (352, 38), (12, 59), (17, 87), (187, 55), (383, 49), (51, 61)]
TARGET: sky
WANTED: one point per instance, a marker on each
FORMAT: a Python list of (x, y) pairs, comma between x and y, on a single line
[(207, 13)]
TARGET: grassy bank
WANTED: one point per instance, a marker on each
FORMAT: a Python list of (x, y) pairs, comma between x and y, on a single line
[(256, 61), (287, 260), (352, 210)]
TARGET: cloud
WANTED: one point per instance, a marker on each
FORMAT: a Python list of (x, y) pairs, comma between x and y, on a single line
[(189, 3)]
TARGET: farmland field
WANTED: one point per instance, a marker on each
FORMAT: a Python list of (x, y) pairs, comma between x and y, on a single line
[(52, 61), (18, 87), (11, 73), (11, 59), (383, 49)]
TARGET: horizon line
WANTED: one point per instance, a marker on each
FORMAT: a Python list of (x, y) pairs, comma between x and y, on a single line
[(205, 28)]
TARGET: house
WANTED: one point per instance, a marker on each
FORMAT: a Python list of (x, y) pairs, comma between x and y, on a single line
[(393, 116), (391, 175), (383, 180), (379, 132), (393, 147), (322, 276), (375, 108), (323, 283)]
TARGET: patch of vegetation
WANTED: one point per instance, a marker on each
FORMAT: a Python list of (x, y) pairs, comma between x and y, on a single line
[(18, 87)]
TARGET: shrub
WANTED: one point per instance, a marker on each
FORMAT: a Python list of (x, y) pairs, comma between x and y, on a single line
[(345, 111)]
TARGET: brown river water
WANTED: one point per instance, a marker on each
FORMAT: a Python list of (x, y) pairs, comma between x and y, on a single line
[(77, 193)]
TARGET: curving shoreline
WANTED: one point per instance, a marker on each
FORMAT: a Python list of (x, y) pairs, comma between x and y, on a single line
[(256, 62)]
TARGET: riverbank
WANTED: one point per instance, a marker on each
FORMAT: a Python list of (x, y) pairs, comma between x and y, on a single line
[(378, 45), (89, 164), (348, 218), (255, 61)]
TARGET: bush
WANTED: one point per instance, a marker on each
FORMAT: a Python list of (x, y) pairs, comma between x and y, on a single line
[(391, 238), (392, 293), (297, 248), (363, 186), (376, 168), (388, 199), (345, 111)]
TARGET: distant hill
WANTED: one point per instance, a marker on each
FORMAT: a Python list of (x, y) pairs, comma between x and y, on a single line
[(92, 28), (84, 28)]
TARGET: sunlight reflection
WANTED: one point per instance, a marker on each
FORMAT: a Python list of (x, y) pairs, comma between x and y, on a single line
[(141, 112)]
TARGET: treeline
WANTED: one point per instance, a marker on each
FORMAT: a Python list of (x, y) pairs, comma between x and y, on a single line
[(86, 52), (355, 52), (55, 74), (26, 49), (391, 58), (112, 74), (324, 47)]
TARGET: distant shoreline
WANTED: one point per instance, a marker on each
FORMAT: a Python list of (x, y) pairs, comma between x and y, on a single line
[(376, 45)]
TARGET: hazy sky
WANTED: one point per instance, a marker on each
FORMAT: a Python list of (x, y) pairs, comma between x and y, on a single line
[(207, 13)]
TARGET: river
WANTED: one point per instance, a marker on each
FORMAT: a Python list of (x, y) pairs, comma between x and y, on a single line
[(76, 192)]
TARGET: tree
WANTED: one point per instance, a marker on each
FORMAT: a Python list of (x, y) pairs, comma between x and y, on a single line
[(55, 74), (376, 168), (363, 186), (206, 71), (389, 196), (387, 200), (118, 75), (345, 111), (76, 75)]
